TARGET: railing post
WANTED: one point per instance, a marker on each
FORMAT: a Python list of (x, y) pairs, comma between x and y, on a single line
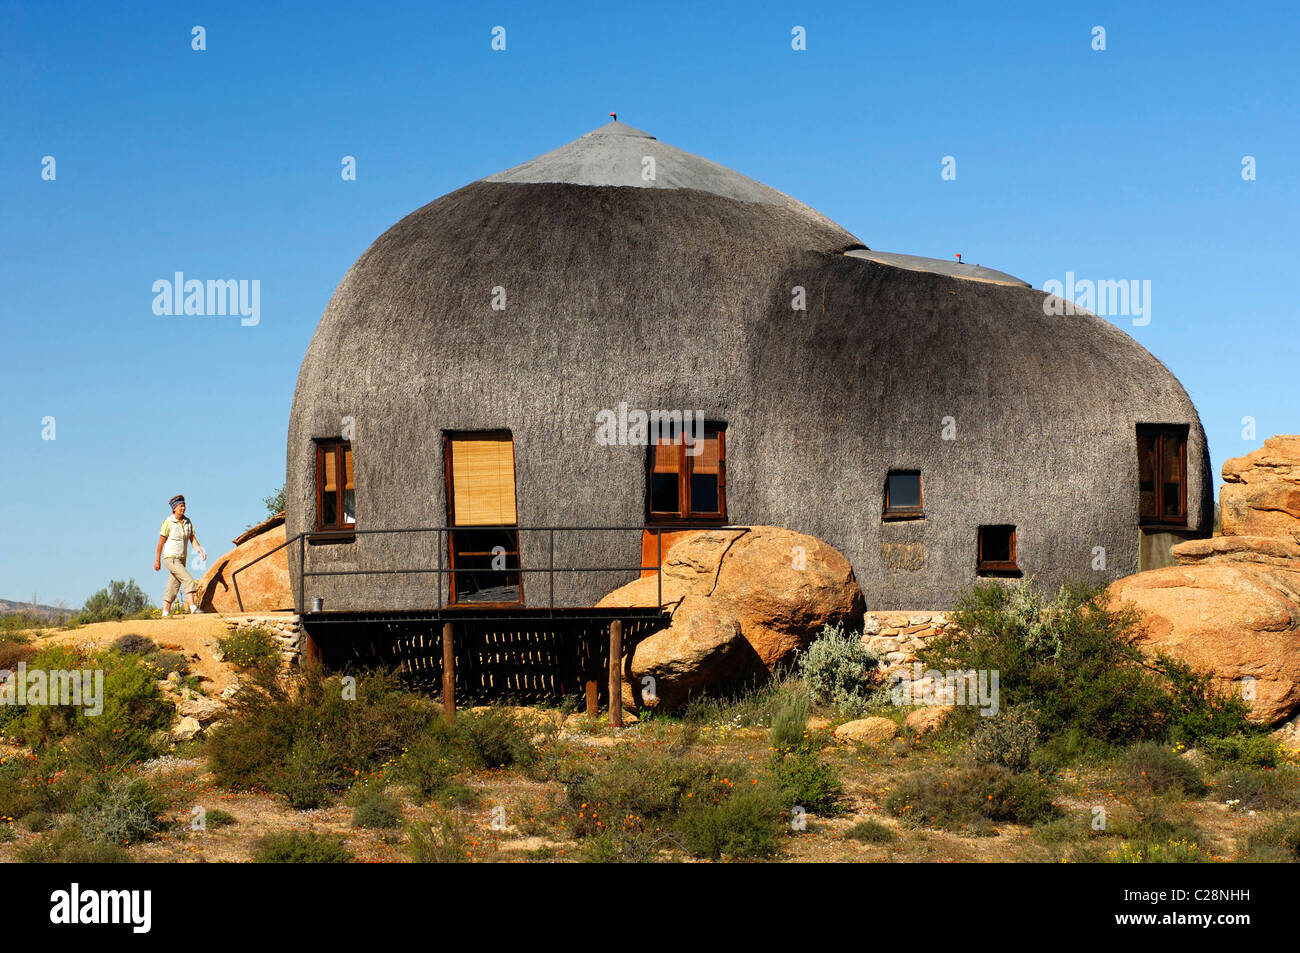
[(438, 546), (448, 673), (302, 571), (659, 566), (550, 565), (616, 673)]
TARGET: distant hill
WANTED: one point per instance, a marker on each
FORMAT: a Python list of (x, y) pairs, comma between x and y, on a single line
[(9, 607)]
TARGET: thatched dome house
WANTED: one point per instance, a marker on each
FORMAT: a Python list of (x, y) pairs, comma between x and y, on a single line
[(926, 418)]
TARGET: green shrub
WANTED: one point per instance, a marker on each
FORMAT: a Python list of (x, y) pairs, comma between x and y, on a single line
[(432, 765), (1157, 768), (494, 738), (250, 648), (215, 817), (749, 707), (1248, 751), (1277, 840), (789, 731), (647, 786), (311, 776), (15, 626), (743, 825), (132, 710), (67, 846), (1260, 789), (308, 739), (301, 847), (1154, 819), (969, 800), (121, 812), (1158, 852), (1008, 738), (439, 841), (872, 832), (1077, 660), (375, 809), (164, 663), (802, 779), (624, 845), (132, 644), (34, 789), (839, 670)]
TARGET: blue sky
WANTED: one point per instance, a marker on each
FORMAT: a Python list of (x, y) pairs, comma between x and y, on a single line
[(1118, 164)]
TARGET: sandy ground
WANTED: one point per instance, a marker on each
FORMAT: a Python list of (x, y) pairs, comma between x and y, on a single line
[(191, 634)]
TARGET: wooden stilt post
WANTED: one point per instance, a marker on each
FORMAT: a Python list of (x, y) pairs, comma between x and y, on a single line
[(593, 702), (448, 673), (616, 673)]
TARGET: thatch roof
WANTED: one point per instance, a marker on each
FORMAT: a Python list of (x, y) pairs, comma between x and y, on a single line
[(677, 295)]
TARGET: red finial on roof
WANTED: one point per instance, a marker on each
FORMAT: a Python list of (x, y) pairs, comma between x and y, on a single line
[(614, 116), (959, 256)]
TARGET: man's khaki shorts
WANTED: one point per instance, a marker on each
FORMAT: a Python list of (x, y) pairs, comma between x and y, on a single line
[(179, 577)]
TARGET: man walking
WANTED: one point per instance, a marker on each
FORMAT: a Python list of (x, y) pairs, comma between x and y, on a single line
[(173, 546)]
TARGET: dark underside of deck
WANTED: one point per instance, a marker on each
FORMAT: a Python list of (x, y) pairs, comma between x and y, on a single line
[(501, 653)]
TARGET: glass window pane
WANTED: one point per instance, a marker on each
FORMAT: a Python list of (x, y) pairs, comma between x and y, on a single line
[(1147, 466), (330, 466), (1173, 497), (995, 544), (704, 493), (904, 491), (706, 472), (664, 495)]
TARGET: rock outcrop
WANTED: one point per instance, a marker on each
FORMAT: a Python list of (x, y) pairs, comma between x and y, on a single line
[(1260, 495), (868, 731), (1232, 604), (774, 587), (265, 587)]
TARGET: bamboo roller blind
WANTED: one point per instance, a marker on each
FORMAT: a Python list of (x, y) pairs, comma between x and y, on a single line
[(483, 480), (331, 471)]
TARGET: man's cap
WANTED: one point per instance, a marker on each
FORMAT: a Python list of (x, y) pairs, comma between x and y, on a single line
[(176, 500)]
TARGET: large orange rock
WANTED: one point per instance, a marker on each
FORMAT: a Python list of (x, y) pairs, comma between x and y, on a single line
[(1237, 616), (777, 586), (1260, 495), (265, 587), (702, 650)]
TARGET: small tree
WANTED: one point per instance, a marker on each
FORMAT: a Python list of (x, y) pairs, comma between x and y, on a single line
[(117, 601), (274, 503)]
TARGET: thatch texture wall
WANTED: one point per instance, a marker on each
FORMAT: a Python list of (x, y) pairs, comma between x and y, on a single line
[(675, 298)]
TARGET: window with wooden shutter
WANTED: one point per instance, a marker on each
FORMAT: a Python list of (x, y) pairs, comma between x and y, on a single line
[(1162, 474), (688, 476), (483, 479), (481, 493)]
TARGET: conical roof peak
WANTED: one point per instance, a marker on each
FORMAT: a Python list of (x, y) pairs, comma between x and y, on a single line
[(617, 154), (616, 128)]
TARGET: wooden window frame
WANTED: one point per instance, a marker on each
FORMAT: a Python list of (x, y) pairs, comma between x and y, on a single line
[(684, 516), (1161, 431), (995, 566), (447, 438), (905, 512), (338, 529)]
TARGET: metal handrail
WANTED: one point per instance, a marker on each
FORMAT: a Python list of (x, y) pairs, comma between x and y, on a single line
[(551, 569)]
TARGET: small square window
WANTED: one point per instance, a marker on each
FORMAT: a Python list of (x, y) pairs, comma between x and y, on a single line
[(996, 550), (903, 495)]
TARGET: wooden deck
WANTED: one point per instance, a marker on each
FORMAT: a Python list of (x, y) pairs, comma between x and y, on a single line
[(512, 653)]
